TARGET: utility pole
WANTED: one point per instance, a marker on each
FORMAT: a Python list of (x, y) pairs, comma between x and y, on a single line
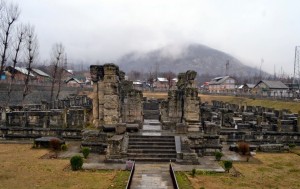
[(297, 66), (226, 68), (261, 62), (274, 72)]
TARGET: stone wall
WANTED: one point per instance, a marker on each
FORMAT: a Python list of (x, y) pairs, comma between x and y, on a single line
[(71, 112), (114, 99), (37, 93), (183, 104), (32, 133)]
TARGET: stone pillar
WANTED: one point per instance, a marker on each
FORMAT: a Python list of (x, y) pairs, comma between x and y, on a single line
[(100, 95), (94, 69), (114, 147), (65, 118), (111, 108), (258, 120), (298, 121), (3, 116), (279, 126)]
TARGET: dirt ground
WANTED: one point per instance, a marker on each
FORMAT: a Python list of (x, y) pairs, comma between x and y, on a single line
[(22, 167), (271, 170)]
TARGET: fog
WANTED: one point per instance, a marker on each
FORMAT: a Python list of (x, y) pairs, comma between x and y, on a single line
[(104, 30)]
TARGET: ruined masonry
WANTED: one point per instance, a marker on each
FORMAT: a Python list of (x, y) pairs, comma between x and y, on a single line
[(115, 101), (181, 112)]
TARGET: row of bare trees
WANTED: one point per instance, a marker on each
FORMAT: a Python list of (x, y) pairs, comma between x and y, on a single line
[(19, 45)]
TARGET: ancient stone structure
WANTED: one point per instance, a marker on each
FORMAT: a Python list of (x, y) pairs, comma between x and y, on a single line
[(257, 124), (183, 104), (62, 118), (114, 101), (183, 110)]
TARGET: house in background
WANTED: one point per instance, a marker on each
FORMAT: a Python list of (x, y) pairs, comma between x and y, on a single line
[(73, 82), (161, 84), (271, 89), (222, 84), (246, 88), (137, 85), (41, 77), (20, 74)]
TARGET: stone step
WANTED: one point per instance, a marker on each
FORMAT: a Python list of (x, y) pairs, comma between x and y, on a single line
[(147, 146), (154, 116), (166, 143), (193, 129), (153, 150), (152, 159), (151, 155), (150, 137)]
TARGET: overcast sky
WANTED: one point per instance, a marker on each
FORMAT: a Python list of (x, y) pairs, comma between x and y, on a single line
[(104, 30)]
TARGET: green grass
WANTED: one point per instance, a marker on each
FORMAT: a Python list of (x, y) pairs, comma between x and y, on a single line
[(120, 180), (183, 181)]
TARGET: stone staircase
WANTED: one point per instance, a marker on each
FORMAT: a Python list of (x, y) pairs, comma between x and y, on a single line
[(151, 148)]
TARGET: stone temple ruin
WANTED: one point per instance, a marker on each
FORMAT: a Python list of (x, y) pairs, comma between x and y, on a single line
[(157, 130), (115, 101), (128, 126)]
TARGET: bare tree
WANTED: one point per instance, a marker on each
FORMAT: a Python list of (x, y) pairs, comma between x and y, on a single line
[(31, 53), (58, 52), (9, 15), (135, 75), (150, 80), (169, 76), (61, 74), (17, 47)]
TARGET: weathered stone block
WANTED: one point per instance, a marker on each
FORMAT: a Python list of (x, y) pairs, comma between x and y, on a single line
[(111, 102), (120, 128), (181, 128)]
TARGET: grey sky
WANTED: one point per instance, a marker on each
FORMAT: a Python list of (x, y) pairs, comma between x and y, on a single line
[(106, 29)]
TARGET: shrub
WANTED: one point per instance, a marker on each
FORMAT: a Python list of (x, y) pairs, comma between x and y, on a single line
[(193, 172), (55, 144), (292, 145), (76, 163), (218, 155), (243, 148), (64, 147), (85, 152), (227, 165)]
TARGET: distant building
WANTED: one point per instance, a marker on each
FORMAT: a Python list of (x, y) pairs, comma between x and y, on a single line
[(271, 88), (246, 88), (161, 84), (222, 84), (40, 76), (73, 82), (137, 85), (20, 74)]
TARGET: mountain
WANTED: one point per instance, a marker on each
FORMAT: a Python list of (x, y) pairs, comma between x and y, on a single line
[(202, 59)]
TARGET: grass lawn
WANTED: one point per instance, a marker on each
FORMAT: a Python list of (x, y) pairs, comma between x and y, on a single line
[(21, 167), (277, 170), (292, 106)]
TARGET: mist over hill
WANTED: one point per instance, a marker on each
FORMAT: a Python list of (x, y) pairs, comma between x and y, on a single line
[(203, 59)]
